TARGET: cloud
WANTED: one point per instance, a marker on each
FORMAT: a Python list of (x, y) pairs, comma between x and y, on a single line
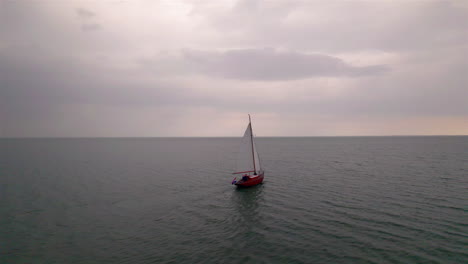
[(87, 16), (330, 68), (260, 64), (85, 13), (67, 96), (340, 26)]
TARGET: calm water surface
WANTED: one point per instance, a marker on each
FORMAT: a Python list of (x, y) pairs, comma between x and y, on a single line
[(169, 200)]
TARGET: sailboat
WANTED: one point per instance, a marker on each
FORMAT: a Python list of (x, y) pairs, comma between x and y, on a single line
[(248, 163)]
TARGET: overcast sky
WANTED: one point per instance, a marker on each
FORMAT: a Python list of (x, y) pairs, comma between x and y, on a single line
[(114, 68)]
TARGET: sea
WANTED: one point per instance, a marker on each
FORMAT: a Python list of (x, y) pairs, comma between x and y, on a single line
[(170, 200)]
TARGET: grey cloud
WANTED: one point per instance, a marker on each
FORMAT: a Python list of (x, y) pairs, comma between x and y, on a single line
[(35, 80), (36, 89), (87, 17), (50, 73), (271, 65), (84, 13)]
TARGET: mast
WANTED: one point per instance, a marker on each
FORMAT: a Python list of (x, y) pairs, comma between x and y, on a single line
[(251, 141)]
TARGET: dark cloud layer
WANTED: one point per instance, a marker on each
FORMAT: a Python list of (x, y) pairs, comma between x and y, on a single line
[(268, 64)]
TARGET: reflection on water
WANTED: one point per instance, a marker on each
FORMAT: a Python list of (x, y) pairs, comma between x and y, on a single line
[(247, 202)]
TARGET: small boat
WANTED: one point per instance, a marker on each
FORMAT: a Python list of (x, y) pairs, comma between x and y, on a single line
[(248, 163)]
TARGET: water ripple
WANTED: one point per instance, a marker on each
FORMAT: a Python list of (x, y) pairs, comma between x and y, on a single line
[(324, 200)]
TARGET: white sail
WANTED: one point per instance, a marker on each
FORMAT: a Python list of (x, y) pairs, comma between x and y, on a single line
[(247, 154), (257, 159)]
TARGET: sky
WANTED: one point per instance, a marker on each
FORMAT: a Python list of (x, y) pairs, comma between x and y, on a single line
[(170, 68)]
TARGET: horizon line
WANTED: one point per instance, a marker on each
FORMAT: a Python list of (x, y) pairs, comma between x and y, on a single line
[(133, 137)]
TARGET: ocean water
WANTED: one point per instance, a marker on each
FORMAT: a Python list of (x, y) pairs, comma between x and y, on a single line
[(169, 200)]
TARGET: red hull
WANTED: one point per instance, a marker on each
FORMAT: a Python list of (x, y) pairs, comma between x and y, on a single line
[(251, 181)]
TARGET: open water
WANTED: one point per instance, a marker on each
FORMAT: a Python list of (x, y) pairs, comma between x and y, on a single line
[(169, 200)]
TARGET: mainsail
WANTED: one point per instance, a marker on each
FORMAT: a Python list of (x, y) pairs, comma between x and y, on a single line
[(248, 160)]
